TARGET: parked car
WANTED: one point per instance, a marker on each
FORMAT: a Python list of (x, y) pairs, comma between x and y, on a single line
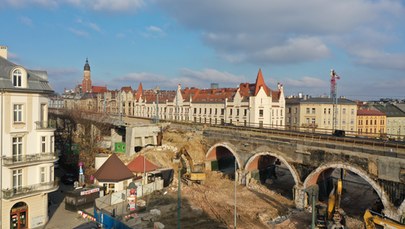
[(69, 178)]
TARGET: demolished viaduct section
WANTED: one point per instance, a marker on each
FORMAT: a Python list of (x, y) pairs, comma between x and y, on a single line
[(381, 167)]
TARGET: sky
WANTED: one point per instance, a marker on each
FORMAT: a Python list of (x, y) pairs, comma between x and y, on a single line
[(195, 43)]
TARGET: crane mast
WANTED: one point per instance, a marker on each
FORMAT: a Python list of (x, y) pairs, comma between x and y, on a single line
[(333, 94)]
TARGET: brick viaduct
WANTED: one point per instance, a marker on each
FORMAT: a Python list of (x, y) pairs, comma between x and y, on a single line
[(307, 156)]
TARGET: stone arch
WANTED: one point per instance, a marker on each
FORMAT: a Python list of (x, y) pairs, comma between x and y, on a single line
[(211, 152), (291, 168), (313, 177)]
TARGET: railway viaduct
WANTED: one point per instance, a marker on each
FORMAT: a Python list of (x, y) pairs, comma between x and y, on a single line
[(306, 156)]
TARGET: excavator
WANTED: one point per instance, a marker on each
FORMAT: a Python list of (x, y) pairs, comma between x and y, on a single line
[(193, 173), (374, 220), (333, 217)]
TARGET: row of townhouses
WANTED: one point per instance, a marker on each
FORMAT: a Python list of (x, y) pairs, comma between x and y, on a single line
[(27, 146)]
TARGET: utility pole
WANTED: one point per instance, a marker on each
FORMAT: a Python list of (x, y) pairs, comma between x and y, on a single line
[(157, 91), (333, 95), (234, 220)]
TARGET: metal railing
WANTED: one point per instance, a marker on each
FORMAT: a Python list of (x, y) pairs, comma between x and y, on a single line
[(29, 189), (45, 124), (29, 158)]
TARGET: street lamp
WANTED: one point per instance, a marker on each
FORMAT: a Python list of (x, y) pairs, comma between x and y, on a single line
[(234, 220), (157, 91)]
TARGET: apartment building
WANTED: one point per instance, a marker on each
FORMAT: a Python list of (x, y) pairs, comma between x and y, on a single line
[(315, 114), (27, 146), (395, 120), (251, 104), (371, 123)]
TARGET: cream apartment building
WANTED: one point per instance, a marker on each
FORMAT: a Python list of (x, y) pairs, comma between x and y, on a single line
[(316, 114), (27, 146)]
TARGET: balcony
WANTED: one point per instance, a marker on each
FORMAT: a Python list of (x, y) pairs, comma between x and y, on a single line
[(29, 159), (30, 189), (41, 125)]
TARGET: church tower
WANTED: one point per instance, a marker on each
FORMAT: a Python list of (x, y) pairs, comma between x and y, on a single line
[(86, 83)]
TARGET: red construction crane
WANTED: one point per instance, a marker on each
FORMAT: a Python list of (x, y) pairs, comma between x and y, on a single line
[(333, 95)]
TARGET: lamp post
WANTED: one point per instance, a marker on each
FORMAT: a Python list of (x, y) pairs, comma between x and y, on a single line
[(234, 220), (157, 91)]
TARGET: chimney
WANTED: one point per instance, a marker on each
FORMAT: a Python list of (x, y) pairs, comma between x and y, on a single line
[(3, 51)]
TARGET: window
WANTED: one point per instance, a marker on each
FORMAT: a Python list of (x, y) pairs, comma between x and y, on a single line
[(17, 78), (352, 112), (295, 110), (17, 149), (17, 179), (328, 110), (52, 144), (51, 173), (344, 110), (289, 110), (237, 112), (245, 112), (260, 113), (18, 109), (222, 111), (43, 144), (313, 110), (313, 120), (42, 174), (308, 110), (324, 110)]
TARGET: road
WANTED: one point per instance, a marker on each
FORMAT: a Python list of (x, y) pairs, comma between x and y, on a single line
[(59, 218)]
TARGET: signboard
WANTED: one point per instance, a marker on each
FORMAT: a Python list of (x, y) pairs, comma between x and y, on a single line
[(90, 191)]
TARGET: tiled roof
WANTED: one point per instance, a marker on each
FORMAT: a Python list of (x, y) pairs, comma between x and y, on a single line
[(260, 83), (390, 110), (141, 164), (98, 89), (113, 170), (367, 112)]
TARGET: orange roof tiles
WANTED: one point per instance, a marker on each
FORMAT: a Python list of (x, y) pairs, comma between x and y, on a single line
[(141, 164), (366, 112), (98, 89), (260, 83)]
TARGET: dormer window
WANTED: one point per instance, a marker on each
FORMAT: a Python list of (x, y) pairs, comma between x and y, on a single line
[(17, 78)]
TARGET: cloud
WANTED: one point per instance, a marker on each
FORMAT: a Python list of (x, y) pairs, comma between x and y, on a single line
[(208, 75), (288, 31), (26, 21), (79, 33), (95, 5), (306, 82), (87, 24), (153, 32), (108, 5), (187, 78), (61, 78)]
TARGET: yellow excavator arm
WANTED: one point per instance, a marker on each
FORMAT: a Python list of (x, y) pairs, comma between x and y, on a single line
[(371, 219)]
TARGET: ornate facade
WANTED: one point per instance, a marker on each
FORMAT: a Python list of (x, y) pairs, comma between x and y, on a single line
[(248, 105), (27, 146)]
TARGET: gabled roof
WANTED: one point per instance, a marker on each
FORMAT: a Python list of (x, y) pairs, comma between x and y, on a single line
[(139, 92), (260, 83), (390, 110), (113, 170), (139, 163)]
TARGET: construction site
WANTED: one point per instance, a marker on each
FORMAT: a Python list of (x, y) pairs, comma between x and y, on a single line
[(215, 200)]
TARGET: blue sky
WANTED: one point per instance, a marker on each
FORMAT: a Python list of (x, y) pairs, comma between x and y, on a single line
[(194, 43)]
